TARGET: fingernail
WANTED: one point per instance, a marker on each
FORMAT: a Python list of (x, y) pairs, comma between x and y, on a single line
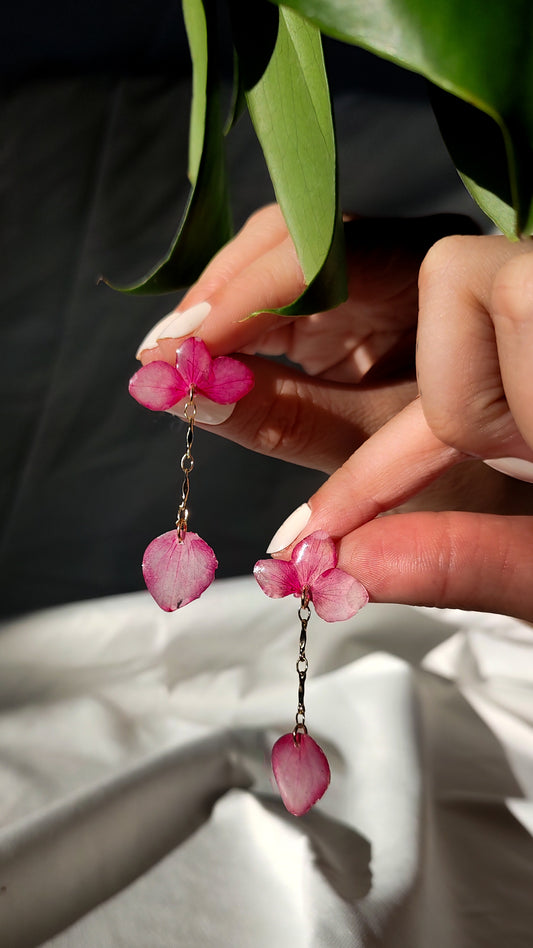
[(290, 529), (150, 340), (207, 412), (513, 467), (176, 324), (186, 322)]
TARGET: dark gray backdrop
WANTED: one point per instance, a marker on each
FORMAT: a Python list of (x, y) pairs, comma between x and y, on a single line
[(94, 119)]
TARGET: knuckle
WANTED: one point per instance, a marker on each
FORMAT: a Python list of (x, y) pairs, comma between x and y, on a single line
[(512, 289), (470, 426), (443, 422), (284, 430), (445, 256)]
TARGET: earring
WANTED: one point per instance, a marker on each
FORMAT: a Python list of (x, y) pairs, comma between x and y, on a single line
[(300, 767), (178, 566)]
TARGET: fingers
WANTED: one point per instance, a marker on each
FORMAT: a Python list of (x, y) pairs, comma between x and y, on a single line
[(264, 229), (273, 280), (346, 342), (396, 462), (308, 421), (449, 559), (472, 363), (455, 560), (258, 270), (512, 314)]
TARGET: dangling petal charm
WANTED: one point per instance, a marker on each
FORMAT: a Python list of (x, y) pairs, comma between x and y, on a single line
[(301, 771), (177, 571), (178, 566), (300, 766)]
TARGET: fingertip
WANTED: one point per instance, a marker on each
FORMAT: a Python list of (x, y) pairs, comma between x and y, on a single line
[(512, 289), (290, 529)]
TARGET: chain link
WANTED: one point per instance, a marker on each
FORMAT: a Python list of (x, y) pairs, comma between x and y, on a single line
[(302, 665), (186, 465)]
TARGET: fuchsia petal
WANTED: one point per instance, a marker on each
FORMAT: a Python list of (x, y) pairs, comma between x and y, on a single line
[(176, 573), (277, 578), (312, 556), (336, 595), (193, 363), (157, 386), (301, 770), (230, 380)]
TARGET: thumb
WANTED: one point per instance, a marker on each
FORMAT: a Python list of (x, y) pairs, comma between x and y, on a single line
[(449, 559)]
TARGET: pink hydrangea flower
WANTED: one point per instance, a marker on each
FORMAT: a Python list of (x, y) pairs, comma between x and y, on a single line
[(159, 385), (313, 567)]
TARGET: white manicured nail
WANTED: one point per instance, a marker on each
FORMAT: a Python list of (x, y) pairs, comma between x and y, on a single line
[(207, 412), (150, 340), (175, 325), (186, 322), (513, 467), (290, 529)]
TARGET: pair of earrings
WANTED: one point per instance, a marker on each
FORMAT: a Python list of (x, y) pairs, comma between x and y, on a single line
[(178, 566)]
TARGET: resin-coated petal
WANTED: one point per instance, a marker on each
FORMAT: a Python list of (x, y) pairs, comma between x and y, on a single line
[(336, 595), (157, 386), (312, 556), (177, 572), (229, 381), (193, 363), (277, 578), (301, 770)]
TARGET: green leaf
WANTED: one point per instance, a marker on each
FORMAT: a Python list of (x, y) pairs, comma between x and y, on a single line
[(206, 224), (238, 99), (482, 54), (483, 170), (289, 104)]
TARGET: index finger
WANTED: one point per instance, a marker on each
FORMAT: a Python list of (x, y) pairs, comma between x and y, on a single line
[(395, 463), (258, 270)]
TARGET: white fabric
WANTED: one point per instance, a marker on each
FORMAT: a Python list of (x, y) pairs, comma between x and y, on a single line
[(136, 800)]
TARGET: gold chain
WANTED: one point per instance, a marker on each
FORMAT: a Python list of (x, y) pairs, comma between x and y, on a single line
[(302, 665), (186, 464)]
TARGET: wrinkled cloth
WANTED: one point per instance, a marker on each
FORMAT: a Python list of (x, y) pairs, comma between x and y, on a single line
[(137, 805)]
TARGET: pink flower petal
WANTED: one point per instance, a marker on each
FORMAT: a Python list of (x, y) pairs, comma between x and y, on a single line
[(312, 556), (157, 386), (193, 363), (301, 770), (176, 573), (277, 578), (336, 595), (230, 380)]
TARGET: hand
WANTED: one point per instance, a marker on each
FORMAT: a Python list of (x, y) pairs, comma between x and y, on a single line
[(319, 423), (475, 346), (316, 417)]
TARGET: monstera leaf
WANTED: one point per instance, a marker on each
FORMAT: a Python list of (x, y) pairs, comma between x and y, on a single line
[(206, 223), (290, 108), (282, 79), (479, 60), (479, 56)]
